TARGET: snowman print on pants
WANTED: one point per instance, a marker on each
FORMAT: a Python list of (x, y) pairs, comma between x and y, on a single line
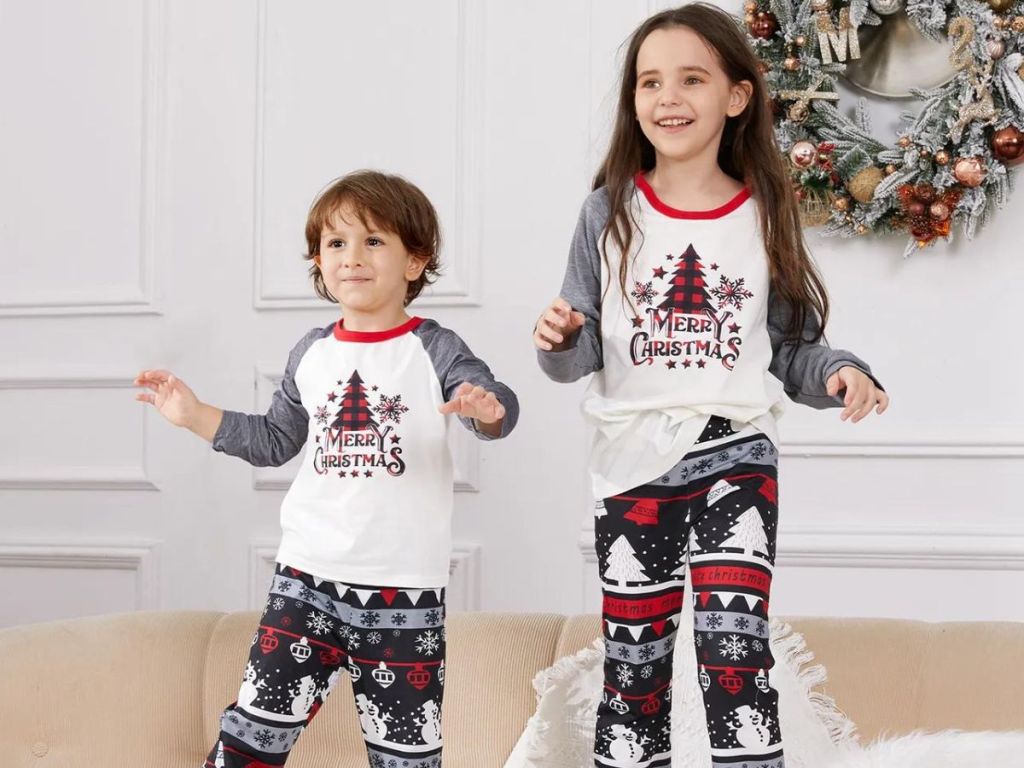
[(374, 724), (751, 727), (625, 745)]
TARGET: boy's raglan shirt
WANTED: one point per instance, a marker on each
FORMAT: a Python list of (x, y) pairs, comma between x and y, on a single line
[(698, 333), (372, 500)]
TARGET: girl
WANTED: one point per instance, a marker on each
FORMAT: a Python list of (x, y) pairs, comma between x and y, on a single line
[(690, 293)]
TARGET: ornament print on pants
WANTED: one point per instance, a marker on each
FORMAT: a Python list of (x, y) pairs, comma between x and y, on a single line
[(389, 642), (714, 515), (694, 324), (355, 439)]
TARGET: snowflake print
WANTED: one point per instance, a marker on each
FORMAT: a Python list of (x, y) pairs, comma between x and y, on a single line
[(428, 643), (321, 415), (264, 738), (319, 623), (704, 465), (667, 645), (644, 293), (757, 645), (731, 292), (277, 604), (305, 593), (646, 671), (389, 652), (370, 618), (759, 627), (344, 631), (376, 761), (723, 456), (432, 616), (625, 675), (758, 451), (282, 736), (390, 409), (734, 646), (624, 653), (646, 653), (714, 620), (398, 619), (741, 622), (354, 639), (699, 640), (284, 586), (374, 638)]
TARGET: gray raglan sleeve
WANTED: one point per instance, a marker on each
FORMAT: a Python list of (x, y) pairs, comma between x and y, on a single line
[(582, 289), (273, 438), (804, 366), (455, 363)]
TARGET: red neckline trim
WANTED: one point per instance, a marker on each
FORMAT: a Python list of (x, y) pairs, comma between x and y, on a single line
[(371, 336), (715, 213)]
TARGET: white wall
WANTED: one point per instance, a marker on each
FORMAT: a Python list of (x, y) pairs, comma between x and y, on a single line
[(157, 162)]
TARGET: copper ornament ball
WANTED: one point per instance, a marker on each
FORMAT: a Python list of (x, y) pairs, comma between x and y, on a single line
[(791, 64), (1000, 5), (1018, 24), (916, 208), (939, 211), (942, 157), (800, 40), (841, 204), (803, 154), (764, 26), (969, 171), (1008, 144)]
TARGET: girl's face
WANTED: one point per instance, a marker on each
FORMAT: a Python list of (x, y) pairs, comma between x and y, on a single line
[(683, 96), (364, 267)]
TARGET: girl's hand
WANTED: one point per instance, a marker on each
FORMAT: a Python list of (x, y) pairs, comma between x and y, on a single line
[(171, 396), (475, 402), (861, 393), (558, 322)]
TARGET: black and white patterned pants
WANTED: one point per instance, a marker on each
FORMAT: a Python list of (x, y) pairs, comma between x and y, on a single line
[(390, 641), (717, 509)]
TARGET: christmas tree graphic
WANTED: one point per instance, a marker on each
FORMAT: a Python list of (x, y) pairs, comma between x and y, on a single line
[(748, 533), (688, 293), (623, 564), (355, 413)]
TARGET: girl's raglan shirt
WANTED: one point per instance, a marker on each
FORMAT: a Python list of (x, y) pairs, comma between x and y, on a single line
[(704, 336), (372, 500)]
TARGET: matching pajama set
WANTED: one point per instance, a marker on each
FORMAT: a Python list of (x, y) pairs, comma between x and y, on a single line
[(359, 585), (690, 366)]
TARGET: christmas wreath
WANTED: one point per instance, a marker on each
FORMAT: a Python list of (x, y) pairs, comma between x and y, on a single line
[(950, 162)]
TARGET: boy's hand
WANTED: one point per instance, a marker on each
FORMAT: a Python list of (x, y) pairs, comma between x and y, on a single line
[(171, 396), (477, 403), (861, 393), (556, 325)]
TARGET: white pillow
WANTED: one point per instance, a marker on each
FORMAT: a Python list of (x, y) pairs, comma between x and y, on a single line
[(561, 732)]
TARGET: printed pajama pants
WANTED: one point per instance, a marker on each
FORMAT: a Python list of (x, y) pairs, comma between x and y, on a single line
[(391, 642), (718, 509)]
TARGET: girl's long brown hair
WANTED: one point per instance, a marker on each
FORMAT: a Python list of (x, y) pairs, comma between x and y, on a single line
[(747, 152)]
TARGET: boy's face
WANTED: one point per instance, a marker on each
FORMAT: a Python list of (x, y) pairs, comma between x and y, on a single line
[(683, 95), (365, 268)]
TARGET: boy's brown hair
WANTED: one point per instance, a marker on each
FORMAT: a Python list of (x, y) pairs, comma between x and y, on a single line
[(381, 201)]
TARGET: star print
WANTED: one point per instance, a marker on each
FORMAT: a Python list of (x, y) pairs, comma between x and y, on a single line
[(373, 388), (637, 322), (332, 397), (669, 257), (671, 363), (368, 473), (659, 272), (341, 474), (341, 383), (396, 439), (733, 328), (701, 363), (714, 266), (686, 363)]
